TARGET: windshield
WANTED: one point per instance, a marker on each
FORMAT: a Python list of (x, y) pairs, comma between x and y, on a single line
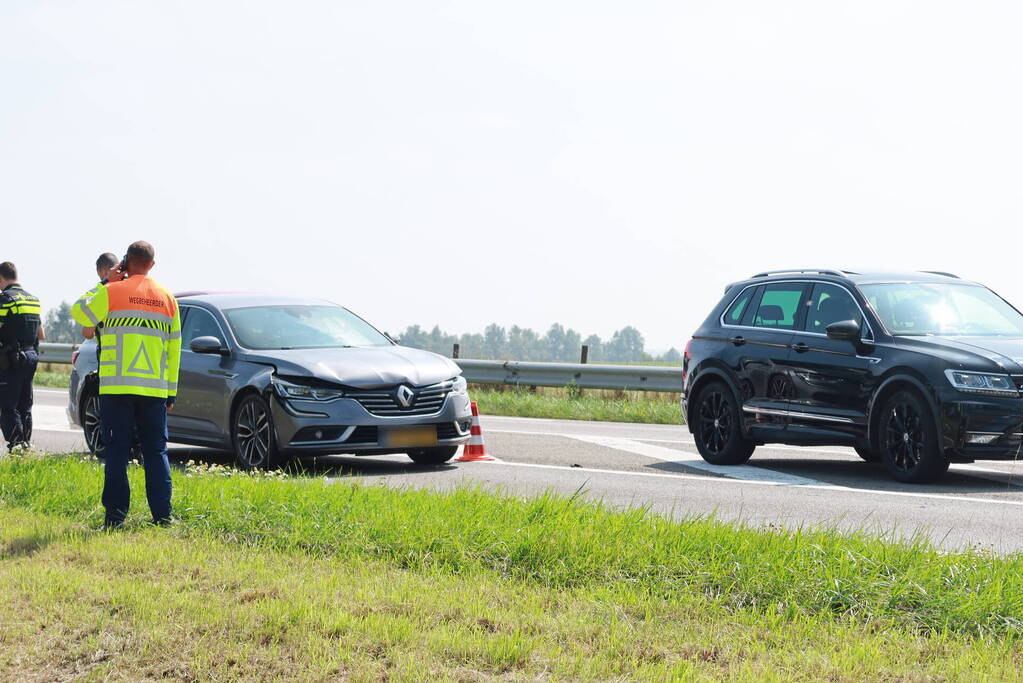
[(267, 328), (919, 308)]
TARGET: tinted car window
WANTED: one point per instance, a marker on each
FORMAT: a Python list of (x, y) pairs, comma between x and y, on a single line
[(830, 304), (779, 306), (199, 323), (734, 314)]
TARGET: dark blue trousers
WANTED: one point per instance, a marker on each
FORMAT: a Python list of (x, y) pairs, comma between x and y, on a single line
[(120, 417), (16, 400)]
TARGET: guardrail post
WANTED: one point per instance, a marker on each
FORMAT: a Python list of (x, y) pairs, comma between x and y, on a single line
[(585, 354), (454, 351)]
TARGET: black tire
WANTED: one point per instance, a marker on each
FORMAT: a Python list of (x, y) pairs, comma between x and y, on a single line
[(253, 435), (718, 428), (910, 443), (868, 454), (90, 418), (433, 456)]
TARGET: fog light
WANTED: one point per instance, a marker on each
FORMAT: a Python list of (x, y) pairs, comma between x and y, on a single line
[(982, 437)]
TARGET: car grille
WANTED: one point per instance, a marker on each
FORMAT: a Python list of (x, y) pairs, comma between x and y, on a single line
[(424, 400), (1018, 381)]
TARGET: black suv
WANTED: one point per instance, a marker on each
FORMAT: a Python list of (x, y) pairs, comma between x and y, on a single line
[(913, 369)]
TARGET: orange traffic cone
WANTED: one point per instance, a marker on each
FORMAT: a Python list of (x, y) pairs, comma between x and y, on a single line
[(475, 450)]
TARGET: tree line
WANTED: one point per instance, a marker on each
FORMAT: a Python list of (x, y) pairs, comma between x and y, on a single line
[(558, 344)]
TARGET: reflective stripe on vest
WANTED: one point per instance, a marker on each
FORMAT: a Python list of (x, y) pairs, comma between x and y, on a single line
[(140, 339)]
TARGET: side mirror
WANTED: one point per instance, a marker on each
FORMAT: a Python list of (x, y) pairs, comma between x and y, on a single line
[(844, 330), (209, 345)]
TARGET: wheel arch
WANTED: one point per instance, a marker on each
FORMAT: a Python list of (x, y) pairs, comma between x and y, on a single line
[(258, 384), (709, 374), (901, 380), (266, 393)]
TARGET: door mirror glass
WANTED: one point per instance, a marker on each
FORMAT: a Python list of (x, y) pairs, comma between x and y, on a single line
[(208, 344), (844, 330)]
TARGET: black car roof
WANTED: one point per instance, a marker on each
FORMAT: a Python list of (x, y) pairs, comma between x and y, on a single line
[(854, 277)]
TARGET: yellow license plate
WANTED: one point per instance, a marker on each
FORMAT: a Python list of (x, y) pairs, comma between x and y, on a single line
[(408, 437)]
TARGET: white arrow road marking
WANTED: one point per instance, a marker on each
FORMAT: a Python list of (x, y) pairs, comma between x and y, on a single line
[(693, 460), (737, 482), (683, 442)]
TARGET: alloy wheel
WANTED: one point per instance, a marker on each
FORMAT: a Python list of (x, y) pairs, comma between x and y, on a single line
[(254, 434), (715, 422), (904, 436), (91, 425)]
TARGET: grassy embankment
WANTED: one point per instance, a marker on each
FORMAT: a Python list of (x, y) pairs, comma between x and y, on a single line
[(304, 579), (571, 404)]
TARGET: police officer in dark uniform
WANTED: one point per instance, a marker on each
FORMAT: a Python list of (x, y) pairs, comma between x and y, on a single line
[(20, 333)]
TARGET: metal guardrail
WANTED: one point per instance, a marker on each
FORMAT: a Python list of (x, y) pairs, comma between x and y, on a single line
[(584, 376), (56, 353), (514, 372)]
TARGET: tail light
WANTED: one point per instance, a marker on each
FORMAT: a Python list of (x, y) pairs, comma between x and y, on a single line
[(686, 355), (74, 357)]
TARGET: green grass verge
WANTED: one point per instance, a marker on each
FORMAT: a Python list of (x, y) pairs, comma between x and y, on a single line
[(59, 380), (148, 604), (315, 579), (527, 404)]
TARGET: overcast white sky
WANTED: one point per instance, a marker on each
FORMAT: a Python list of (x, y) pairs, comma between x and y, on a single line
[(597, 164)]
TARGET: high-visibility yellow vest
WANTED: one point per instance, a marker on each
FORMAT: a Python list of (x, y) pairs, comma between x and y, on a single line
[(141, 336)]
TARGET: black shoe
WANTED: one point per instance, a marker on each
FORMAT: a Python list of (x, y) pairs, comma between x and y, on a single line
[(110, 525), (166, 521)]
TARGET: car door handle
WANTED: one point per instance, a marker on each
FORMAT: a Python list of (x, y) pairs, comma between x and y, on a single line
[(801, 347), (738, 341)]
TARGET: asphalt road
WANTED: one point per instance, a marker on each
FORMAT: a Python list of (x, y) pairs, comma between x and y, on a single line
[(657, 466)]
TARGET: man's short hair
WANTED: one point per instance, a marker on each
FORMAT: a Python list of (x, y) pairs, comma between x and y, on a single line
[(141, 252), (105, 261), (8, 271)]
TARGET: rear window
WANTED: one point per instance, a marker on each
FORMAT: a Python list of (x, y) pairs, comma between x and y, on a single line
[(779, 306)]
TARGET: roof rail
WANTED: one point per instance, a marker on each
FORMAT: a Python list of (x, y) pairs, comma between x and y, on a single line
[(941, 272), (796, 271)]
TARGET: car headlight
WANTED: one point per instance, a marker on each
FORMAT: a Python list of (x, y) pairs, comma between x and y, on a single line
[(982, 383), (459, 385), (303, 392)]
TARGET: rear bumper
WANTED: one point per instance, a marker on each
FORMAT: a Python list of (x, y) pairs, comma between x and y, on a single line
[(345, 426)]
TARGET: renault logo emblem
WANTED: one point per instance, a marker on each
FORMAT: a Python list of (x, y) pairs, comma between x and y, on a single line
[(405, 396)]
